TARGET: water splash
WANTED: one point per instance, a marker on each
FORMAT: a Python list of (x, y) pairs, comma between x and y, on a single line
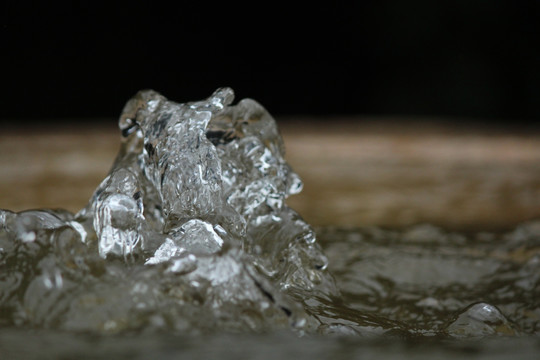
[(189, 231)]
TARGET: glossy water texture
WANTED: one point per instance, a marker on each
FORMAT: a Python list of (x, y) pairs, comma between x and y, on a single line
[(437, 283), (190, 234), (418, 293)]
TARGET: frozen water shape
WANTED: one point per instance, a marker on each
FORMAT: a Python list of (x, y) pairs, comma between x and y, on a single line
[(194, 207), (190, 232)]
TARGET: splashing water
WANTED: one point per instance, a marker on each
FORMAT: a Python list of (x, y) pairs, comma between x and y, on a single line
[(190, 233)]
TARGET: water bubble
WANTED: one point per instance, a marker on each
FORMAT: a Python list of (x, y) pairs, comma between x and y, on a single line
[(478, 320)]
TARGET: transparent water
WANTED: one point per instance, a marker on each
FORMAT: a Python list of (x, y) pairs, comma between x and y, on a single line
[(188, 248), (406, 293)]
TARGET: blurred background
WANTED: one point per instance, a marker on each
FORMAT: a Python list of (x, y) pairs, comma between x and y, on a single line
[(393, 112), (465, 60)]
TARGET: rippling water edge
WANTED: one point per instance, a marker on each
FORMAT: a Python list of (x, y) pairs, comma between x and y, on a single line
[(432, 282), (422, 280)]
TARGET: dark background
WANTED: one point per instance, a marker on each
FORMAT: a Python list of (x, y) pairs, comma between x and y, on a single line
[(464, 60)]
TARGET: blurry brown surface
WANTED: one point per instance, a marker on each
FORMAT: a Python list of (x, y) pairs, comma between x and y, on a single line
[(355, 173)]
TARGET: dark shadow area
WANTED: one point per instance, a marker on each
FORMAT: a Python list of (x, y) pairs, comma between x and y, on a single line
[(460, 59)]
